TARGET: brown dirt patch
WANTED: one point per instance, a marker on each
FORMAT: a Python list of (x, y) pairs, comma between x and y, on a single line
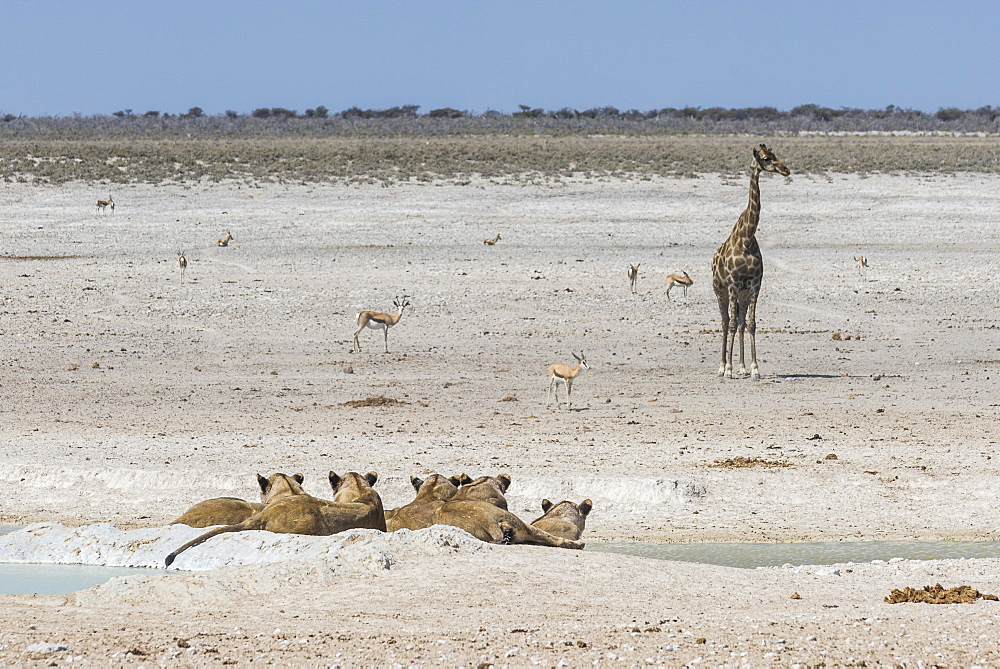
[(41, 257), (936, 594), (380, 401), (741, 461)]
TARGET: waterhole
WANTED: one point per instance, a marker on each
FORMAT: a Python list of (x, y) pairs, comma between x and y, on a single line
[(59, 579), (751, 555)]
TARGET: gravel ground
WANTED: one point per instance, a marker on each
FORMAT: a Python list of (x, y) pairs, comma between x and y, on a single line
[(131, 392)]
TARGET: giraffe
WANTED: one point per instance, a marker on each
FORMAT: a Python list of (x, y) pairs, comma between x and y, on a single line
[(737, 271)]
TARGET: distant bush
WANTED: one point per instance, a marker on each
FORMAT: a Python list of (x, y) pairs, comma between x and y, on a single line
[(949, 114), (407, 121), (528, 112), (406, 111), (446, 112)]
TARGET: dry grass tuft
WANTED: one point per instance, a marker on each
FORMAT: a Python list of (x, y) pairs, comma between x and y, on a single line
[(388, 159)]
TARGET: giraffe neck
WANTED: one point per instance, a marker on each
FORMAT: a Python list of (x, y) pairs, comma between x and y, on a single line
[(746, 227)]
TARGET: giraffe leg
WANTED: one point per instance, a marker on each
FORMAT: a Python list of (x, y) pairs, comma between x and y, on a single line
[(733, 324), (741, 323), (752, 327), (724, 309)]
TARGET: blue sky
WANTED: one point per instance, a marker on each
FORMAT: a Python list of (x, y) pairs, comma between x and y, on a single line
[(101, 56)]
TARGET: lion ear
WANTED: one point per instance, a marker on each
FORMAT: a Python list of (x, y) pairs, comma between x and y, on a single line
[(546, 505), (416, 483), (585, 506), (504, 480), (334, 480), (372, 478), (299, 478), (262, 482)]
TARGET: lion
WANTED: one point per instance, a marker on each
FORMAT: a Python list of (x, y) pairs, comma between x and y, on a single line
[(232, 510), (490, 489), (492, 524), (564, 519), (431, 494), (355, 505)]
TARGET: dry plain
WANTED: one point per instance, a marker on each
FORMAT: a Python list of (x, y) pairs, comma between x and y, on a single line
[(131, 393)]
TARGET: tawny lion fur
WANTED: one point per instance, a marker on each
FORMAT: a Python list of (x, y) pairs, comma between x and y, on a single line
[(355, 505), (480, 508), (432, 492), (489, 489), (232, 510), (565, 519)]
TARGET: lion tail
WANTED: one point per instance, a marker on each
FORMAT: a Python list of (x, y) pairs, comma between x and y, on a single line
[(202, 538)]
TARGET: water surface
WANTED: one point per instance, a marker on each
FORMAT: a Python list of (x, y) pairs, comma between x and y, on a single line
[(750, 555), (60, 579)]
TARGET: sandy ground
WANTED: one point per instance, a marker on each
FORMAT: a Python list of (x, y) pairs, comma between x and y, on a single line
[(130, 393)]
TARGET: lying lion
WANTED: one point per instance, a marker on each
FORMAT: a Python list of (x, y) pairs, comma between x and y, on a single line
[(431, 494), (564, 519), (355, 504), (232, 510), (480, 508), (490, 489), (494, 525)]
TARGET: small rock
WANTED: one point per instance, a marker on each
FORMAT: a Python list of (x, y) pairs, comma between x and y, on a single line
[(46, 647), (348, 369), (795, 595)]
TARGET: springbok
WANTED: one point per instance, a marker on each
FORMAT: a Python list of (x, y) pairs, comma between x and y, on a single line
[(862, 263), (492, 241), (224, 241), (182, 263), (681, 279), (567, 374), (378, 319), (633, 274), (102, 205)]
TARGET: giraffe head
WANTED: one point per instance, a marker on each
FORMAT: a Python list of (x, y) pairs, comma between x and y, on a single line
[(769, 162)]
